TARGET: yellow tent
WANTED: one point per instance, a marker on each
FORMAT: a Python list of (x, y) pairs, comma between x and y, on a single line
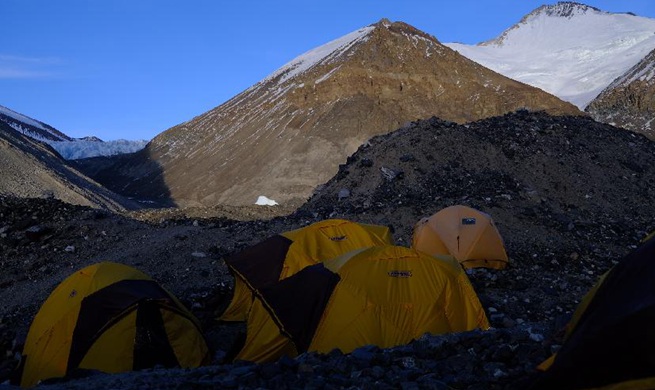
[(467, 234), (112, 318), (384, 295), (609, 340), (283, 255)]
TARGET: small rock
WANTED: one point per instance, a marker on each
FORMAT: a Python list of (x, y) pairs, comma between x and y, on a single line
[(408, 362), (508, 322), (362, 354), (366, 162), (391, 174), (36, 232), (407, 157), (305, 368), (343, 193), (409, 386), (504, 353), (377, 372)]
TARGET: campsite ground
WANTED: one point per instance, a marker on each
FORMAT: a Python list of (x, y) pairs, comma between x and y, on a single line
[(569, 196), (496, 358)]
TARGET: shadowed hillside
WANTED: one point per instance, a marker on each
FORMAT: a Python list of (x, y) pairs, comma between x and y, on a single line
[(288, 133)]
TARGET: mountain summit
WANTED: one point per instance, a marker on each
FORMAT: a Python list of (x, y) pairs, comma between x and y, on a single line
[(568, 49), (288, 133), (563, 9)]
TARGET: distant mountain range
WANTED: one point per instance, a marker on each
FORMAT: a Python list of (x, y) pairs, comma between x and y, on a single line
[(290, 132), (32, 169), (69, 148)]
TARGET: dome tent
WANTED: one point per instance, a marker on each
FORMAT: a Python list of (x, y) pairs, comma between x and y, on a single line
[(467, 234), (283, 255), (383, 295), (112, 318), (609, 340)]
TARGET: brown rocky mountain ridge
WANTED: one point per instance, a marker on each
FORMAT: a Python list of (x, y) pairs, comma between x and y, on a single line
[(629, 102), (32, 169), (30, 127), (288, 133)]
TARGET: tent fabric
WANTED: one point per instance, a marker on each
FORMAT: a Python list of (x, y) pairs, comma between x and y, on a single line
[(112, 318), (609, 342), (283, 255), (467, 234), (385, 296)]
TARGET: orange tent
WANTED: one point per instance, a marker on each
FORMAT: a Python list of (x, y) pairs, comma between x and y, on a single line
[(467, 234)]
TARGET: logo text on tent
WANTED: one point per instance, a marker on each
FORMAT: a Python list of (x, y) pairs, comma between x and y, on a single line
[(468, 221), (400, 274), (338, 238)]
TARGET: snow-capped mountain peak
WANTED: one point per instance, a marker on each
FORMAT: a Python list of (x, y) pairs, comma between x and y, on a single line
[(321, 54), (565, 9), (337, 50), (568, 49), (561, 10)]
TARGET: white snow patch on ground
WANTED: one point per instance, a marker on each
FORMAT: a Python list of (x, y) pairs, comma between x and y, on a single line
[(264, 201)]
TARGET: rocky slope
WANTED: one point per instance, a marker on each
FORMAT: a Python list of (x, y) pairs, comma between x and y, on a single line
[(30, 127), (629, 102), (289, 132), (569, 195), (33, 169)]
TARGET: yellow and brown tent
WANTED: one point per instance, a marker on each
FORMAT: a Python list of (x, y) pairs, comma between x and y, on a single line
[(610, 341), (112, 318), (467, 234), (384, 296), (283, 255)]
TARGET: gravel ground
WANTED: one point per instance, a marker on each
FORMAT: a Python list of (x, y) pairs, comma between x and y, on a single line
[(570, 197)]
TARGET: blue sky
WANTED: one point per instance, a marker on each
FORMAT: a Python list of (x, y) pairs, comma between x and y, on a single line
[(130, 69)]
